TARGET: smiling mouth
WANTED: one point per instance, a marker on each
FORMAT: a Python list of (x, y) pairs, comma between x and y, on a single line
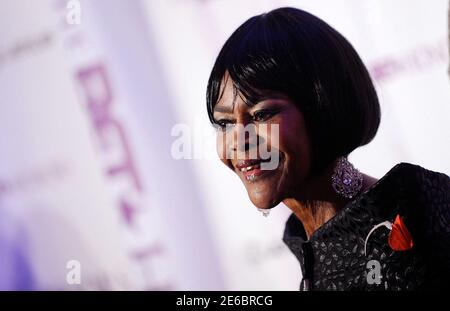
[(251, 169)]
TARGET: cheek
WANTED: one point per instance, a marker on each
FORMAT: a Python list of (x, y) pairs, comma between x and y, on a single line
[(294, 144), (221, 147), (269, 141), (268, 134)]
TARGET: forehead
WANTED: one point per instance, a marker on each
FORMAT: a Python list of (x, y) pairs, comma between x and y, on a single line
[(228, 95)]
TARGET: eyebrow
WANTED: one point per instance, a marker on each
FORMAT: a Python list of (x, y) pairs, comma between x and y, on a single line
[(222, 109), (266, 97), (272, 96)]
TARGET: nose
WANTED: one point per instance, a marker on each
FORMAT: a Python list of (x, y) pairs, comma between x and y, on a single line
[(244, 137)]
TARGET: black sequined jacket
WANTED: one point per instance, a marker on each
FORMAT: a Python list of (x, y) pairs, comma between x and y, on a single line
[(334, 257)]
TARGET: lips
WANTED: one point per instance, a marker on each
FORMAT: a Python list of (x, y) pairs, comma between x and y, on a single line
[(251, 169)]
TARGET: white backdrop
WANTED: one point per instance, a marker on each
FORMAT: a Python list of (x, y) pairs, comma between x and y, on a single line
[(86, 118)]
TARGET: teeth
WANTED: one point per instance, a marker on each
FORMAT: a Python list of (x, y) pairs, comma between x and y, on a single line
[(249, 168)]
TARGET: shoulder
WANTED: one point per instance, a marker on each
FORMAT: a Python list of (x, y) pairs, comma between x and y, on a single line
[(424, 200), (416, 183), (423, 190), (427, 192), (418, 176)]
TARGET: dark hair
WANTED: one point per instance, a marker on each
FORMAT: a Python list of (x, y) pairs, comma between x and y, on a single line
[(293, 52)]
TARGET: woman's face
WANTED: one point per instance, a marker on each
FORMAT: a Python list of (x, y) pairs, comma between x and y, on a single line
[(273, 156)]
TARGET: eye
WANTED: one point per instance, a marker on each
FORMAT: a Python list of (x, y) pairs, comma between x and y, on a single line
[(223, 124), (264, 114)]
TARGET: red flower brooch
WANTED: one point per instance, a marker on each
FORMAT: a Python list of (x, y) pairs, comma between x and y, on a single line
[(399, 238)]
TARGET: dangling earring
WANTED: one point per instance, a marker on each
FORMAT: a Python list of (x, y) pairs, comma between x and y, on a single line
[(346, 179), (264, 211)]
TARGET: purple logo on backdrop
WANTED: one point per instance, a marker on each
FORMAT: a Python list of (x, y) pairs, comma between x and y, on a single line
[(419, 59), (110, 132), (121, 167)]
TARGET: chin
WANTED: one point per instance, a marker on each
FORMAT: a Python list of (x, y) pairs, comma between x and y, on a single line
[(263, 202), (263, 193)]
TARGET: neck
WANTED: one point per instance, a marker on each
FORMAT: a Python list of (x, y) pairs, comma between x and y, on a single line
[(315, 202)]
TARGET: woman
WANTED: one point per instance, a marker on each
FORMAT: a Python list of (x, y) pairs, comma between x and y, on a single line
[(289, 71)]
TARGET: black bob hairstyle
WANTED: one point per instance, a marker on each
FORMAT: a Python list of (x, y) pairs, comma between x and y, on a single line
[(293, 52)]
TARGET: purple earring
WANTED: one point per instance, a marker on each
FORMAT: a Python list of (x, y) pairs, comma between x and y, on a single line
[(346, 179)]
